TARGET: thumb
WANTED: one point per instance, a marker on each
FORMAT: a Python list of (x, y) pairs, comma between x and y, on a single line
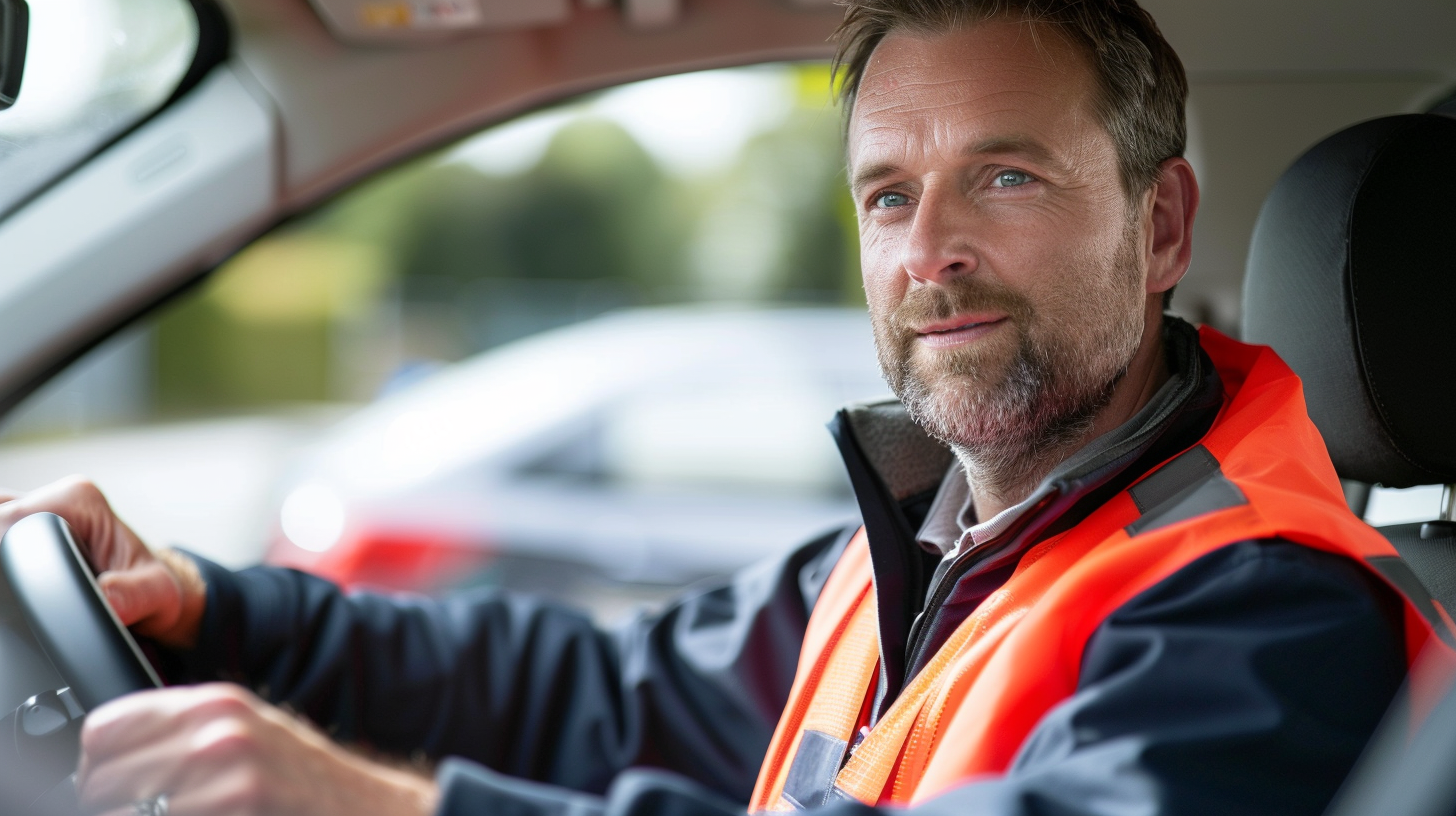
[(145, 593)]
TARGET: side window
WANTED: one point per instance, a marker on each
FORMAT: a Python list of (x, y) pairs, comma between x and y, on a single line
[(601, 339), (93, 69)]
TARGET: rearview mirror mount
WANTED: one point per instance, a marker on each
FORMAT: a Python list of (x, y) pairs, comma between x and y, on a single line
[(14, 31)]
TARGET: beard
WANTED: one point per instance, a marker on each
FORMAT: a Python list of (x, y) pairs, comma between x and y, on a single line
[(1012, 416)]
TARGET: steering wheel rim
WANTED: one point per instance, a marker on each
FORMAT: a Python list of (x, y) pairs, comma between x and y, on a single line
[(68, 614)]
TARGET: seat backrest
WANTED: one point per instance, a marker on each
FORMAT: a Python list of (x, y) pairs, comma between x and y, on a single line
[(1352, 279)]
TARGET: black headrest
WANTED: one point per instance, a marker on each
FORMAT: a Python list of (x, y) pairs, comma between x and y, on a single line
[(1352, 279)]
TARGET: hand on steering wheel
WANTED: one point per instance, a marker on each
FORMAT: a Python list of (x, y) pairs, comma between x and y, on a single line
[(212, 749), (159, 595), (218, 750)]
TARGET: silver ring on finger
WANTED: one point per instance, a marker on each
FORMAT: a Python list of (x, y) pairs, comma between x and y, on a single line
[(155, 806)]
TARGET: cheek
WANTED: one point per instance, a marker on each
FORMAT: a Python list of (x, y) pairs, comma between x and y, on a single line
[(878, 245), (1025, 260), (1099, 285), (884, 281), (1060, 255), (882, 295)]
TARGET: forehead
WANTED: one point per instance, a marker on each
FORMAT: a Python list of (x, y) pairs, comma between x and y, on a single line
[(996, 80)]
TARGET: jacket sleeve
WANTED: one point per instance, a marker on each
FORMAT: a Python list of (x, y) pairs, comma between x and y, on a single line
[(527, 687), (1246, 683)]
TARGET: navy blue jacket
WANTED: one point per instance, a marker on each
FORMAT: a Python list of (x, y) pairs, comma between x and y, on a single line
[(1248, 682)]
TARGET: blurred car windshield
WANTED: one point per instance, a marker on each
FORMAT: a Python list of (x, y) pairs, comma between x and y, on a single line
[(93, 69)]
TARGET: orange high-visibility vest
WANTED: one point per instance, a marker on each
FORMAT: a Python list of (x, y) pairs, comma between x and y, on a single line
[(1260, 472)]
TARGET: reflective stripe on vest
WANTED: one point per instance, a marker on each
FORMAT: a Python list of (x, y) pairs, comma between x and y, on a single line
[(1260, 472)]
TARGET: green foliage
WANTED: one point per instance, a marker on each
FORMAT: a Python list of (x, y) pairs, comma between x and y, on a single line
[(595, 207), (207, 360)]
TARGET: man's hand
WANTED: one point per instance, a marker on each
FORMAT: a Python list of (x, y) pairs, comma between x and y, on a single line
[(217, 749), (159, 595), (213, 749)]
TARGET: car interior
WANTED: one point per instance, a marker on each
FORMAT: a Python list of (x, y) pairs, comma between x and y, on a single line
[(1324, 138)]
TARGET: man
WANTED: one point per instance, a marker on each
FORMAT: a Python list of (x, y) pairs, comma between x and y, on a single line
[(1116, 576)]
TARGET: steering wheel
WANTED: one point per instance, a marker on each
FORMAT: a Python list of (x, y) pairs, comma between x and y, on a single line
[(69, 616), (54, 611)]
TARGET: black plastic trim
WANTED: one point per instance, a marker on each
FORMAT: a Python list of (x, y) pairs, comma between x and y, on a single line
[(14, 36)]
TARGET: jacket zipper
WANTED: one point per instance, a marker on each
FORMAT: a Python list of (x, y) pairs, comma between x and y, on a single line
[(939, 592), (941, 589)]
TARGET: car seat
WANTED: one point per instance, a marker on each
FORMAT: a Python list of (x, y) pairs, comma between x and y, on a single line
[(1352, 279)]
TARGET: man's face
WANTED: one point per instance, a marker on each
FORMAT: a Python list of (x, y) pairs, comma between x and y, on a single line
[(1003, 262)]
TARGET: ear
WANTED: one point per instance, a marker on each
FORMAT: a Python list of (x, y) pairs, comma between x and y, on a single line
[(1170, 225)]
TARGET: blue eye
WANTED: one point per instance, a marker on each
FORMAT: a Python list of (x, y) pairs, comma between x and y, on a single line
[(892, 200), (1011, 178)]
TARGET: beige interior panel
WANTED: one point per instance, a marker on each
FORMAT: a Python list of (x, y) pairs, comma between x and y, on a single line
[(349, 109)]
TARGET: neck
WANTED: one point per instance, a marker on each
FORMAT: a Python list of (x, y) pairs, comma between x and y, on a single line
[(1010, 479)]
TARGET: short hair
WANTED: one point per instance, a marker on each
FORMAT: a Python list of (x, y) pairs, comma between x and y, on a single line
[(1142, 88)]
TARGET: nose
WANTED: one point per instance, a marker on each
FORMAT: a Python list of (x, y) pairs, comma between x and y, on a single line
[(939, 243)]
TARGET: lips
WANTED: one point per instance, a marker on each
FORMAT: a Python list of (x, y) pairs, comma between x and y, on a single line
[(959, 330), (961, 321)]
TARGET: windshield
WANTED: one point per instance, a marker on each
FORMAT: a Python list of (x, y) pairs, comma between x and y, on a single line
[(93, 69)]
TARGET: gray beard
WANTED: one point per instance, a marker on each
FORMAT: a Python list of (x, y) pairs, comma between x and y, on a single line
[(1009, 434)]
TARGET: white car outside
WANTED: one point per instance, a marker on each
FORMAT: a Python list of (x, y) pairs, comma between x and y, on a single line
[(654, 445)]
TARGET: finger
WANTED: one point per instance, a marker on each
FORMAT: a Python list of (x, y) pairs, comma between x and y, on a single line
[(117, 729), (81, 504), (213, 769), (164, 740), (147, 595), (133, 721), (126, 778), (230, 792)]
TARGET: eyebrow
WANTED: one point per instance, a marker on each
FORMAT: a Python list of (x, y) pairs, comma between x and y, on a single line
[(872, 174), (1022, 145)]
